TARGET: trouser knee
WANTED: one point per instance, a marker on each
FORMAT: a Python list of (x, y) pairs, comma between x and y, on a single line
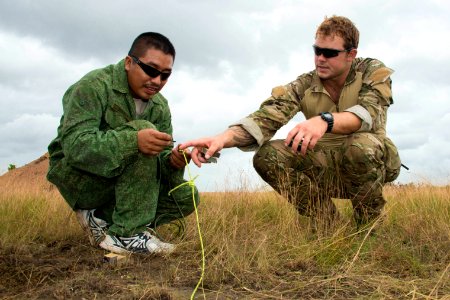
[(141, 124), (272, 158), (362, 158), (81, 189), (260, 162)]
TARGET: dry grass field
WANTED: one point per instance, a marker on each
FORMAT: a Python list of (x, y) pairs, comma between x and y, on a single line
[(256, 247)]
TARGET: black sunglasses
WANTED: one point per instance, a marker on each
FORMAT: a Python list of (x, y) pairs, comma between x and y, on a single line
[(151, 71), (327, 52)]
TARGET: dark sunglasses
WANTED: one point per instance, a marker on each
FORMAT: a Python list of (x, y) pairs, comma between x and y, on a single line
[(327, 52), (150, 71)]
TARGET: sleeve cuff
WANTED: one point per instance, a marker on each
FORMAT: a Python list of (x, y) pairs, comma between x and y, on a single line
[(364, 115), (129, 144), (251, 127)]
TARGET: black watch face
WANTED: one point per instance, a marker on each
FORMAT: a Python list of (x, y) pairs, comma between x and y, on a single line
[(327, 116)]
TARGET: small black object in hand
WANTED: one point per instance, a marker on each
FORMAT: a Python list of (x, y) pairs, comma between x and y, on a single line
[(299, 144)]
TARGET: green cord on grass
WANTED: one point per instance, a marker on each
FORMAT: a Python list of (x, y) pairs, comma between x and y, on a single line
[(190, 182)]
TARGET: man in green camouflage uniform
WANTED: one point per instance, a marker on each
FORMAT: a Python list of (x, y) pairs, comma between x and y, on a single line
[(341, 150), (113, 158)]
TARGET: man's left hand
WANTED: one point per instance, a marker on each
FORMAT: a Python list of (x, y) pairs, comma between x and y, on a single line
[(307, 134), (177, 159)]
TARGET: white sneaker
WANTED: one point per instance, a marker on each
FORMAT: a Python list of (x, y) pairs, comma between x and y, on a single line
[(143, 242), (93, 226)]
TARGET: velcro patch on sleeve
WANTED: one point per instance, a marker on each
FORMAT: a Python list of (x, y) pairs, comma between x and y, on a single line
[(385, 90), (278, 91), (381, 74)]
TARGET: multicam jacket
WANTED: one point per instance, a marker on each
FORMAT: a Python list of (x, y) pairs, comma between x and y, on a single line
[(98, 129), (366, 93)]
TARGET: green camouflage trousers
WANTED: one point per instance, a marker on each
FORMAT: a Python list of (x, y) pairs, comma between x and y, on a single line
[(130, 201), (352, 171)]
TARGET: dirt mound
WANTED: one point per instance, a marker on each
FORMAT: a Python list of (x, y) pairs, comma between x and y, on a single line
[(32, 175)]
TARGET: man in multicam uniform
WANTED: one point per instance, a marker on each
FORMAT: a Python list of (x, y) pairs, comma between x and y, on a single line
[(341, 150), (113, 158)]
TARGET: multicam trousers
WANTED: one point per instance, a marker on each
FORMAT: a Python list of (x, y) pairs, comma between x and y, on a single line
[(131, 201), (352, 171)]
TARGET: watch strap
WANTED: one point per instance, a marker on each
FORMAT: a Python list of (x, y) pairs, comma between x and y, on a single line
[(328, 117)]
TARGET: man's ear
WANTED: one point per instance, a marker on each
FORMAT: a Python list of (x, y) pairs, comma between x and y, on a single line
[(352, 54), (128, 62)]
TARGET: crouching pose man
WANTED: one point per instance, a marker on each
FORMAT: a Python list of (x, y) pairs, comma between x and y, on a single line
[(113, 158), (341, 150)]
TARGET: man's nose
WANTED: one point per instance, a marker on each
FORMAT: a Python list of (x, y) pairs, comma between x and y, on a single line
[(156, 80), (321, 57)]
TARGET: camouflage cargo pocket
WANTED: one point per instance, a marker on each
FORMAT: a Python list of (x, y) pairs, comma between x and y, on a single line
[(391, 159)]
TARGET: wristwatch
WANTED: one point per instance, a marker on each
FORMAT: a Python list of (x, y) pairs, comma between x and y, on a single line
[(328, 117)]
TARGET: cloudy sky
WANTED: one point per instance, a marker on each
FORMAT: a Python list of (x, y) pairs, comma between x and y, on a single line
[(229, 56)]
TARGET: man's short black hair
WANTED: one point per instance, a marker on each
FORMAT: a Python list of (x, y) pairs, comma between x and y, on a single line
[(151, 40)]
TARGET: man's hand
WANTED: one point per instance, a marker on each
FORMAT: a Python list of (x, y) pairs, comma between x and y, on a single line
[(177, 158), (213, 144), (235, 136), (152, 142), (307, 134)]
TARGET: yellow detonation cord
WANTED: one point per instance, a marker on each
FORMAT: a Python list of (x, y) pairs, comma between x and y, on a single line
[(190, 182)]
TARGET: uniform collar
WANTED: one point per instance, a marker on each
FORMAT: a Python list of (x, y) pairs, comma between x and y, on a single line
[(317, 86), (120, 79)]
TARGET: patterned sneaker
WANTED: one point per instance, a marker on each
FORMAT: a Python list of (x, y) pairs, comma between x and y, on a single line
[(93, 226), (143, 242)]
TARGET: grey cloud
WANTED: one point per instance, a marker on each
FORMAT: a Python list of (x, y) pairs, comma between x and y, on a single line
[(16, 102), (426, 70), (204, 32), (104, 28), (26, 138), (216, 40)]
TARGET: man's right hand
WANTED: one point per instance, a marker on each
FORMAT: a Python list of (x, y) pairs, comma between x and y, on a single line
[(212, 144), (235, 136), (152, 141)]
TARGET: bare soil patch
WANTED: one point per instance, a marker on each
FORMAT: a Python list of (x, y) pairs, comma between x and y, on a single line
[(72, 269)]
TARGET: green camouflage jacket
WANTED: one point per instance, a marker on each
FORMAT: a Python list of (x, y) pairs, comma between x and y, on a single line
[(366, 93), (98, 129)]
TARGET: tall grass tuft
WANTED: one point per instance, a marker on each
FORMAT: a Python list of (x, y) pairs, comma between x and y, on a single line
[(258, 247), (30, 215), (257, 242)]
